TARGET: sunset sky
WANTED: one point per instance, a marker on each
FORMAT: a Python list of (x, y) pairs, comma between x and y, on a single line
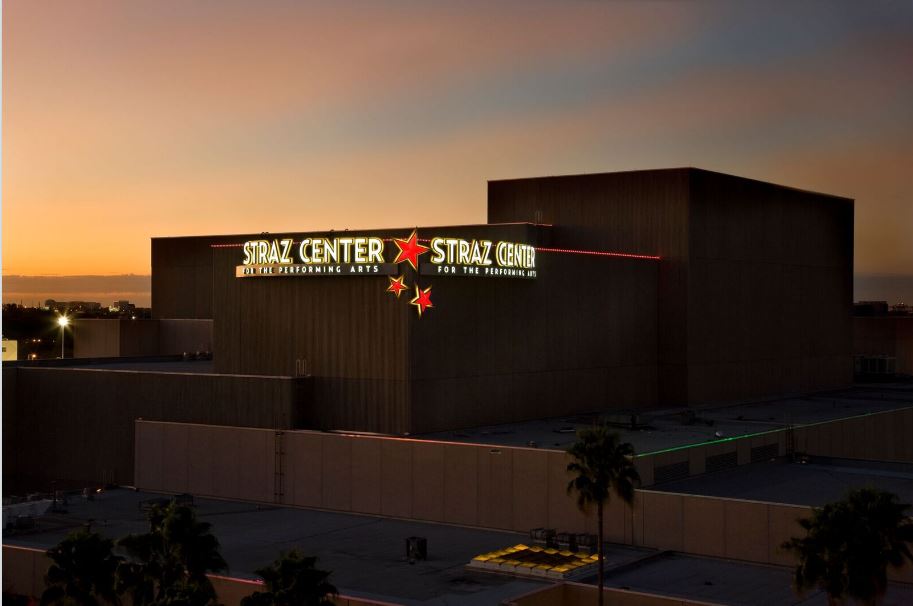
[(127, 120)]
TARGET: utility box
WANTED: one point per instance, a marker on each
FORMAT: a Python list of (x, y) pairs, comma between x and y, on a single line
[(416, 548)]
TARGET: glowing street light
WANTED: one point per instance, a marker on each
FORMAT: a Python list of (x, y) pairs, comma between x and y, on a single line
[(63, 321)]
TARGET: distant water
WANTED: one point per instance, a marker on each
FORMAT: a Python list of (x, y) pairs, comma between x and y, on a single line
[(893, 288), (32, 290)]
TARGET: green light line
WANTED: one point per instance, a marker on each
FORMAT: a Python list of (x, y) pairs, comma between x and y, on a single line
[(769, 431)]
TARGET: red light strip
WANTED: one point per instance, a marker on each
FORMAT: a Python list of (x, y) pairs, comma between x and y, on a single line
[(599, 253), (566, 251)]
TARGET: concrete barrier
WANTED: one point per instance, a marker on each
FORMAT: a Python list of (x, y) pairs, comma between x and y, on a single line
[(576, 594), (487, 486)]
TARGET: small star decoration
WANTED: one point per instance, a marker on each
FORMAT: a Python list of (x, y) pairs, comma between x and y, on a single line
[(397, 286), (422, 299)]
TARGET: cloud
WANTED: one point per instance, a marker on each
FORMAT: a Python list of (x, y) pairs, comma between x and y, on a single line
[(128, 120)]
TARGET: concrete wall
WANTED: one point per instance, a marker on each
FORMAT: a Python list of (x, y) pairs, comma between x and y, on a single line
[(755, 282), (494, 487), (24, 570), (882, 436), (139, 338), (770, 289), (103, 338), (577, 594), (96, 338), (581, 337), (346, 332), (507, 488), (177, 336), (182, 276), (76, 425), (643, 212)]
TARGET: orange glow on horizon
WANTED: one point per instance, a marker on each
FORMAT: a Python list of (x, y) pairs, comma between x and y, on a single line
[(122, 122)]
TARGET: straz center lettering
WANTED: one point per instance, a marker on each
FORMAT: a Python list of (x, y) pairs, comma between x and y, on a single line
[(458, 257), (344, 256)]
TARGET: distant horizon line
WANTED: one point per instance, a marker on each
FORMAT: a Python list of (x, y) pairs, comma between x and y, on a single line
[(137, 288)]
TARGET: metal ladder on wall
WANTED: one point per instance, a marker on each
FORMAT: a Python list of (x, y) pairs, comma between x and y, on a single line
[(278, 468), (790, 441)]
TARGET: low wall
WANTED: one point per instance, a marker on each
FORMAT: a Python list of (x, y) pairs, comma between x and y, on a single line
[(576, 594), (179, 335), (883, 436), (880, 436), (24, 570), (504, 488), (885, 336), (468, 484), (119, 337)]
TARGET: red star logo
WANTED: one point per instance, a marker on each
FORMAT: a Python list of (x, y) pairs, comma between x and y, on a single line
[(409, 250), (422, 299), (396, 285)]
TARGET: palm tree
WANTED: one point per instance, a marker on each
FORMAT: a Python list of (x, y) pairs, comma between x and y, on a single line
[(82, 571), (292, 580), (169, 563), (602, 465), (849, 545)]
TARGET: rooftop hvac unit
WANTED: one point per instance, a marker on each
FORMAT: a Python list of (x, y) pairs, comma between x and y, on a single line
[(416, 548)]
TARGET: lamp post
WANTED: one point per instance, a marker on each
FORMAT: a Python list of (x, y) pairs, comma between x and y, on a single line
[(63, 321)]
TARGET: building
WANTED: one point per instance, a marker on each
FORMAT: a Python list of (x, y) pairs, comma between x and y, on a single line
[(10, 350), (123, 307), (652, 288), (708, 316), (883, 345), (620, 291), (72, 306)]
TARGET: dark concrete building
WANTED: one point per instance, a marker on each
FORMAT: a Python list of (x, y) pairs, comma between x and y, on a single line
[(578, 337), (755, 281), (619, 291), (751, 297)]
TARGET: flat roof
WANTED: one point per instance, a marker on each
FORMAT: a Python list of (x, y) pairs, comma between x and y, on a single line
[(669, 170), (366, 554), (660, 430), (820, 481)]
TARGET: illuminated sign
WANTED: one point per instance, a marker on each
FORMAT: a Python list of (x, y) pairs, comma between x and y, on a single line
[(364, 256), (458, 257), (343, 256)]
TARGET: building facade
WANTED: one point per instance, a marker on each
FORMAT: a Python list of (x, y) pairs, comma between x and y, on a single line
[(675, 287)]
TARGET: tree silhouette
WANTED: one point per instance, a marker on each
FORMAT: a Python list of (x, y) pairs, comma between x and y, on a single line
[(82, 572), (601, 465), (168, 564), (850, 544), (292, 580)]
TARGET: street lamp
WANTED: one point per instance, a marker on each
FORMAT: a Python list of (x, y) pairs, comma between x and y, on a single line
[(63, 321)]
